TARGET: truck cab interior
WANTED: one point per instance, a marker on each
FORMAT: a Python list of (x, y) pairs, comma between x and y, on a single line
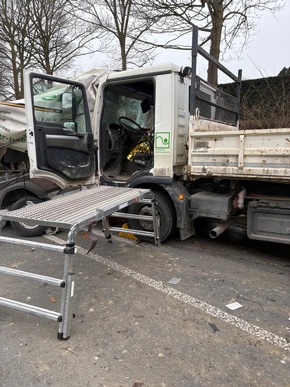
[(127, 129)]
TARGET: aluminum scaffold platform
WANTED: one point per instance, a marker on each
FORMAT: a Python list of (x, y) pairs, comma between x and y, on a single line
[(74, 212)]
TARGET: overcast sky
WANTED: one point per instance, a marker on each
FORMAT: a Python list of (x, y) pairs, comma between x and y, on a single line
[(267, 52), (269, 49)]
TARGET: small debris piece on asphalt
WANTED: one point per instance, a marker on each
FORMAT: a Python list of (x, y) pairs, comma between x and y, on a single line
[(174, 281), (234, 306), (214, 327)]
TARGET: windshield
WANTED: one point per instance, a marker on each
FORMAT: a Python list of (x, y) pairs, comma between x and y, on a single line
[(126, 130), (131, 100)]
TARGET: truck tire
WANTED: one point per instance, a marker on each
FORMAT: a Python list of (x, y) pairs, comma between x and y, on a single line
[(166, 212), (22, 228)]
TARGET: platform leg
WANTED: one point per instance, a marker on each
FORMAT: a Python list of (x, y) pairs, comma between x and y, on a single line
[(156, 224), (67, 294), (106, 227)]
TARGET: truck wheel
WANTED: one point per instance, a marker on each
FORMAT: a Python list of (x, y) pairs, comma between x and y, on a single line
[(165, 210), (22, 228)]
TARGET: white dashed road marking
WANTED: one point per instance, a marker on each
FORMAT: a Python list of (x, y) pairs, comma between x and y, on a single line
[(252, 329)]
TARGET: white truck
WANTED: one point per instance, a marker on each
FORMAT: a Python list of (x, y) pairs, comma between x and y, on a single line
[(166, 129)]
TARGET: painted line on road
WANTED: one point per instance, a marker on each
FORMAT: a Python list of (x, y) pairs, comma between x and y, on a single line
[(237, 322)]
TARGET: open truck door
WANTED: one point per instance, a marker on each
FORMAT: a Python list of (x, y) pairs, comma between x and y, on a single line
[(60, 141)]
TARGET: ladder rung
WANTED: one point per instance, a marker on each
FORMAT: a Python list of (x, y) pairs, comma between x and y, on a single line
[(37, 277), (131, 216), (46, 246), (31, 309)]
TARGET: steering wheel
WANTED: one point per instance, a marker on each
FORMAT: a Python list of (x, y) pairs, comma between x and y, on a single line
[(131, 126)]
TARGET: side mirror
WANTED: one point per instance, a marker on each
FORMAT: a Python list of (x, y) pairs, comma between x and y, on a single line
[(145, 106)]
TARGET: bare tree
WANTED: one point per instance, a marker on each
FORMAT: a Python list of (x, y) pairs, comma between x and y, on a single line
[(15, 52), (119, 26), (265, 103), (60, 38), (42, 35), (230, 19), (220, 21)]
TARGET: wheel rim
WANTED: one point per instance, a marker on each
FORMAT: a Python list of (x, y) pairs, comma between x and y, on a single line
[(28, 226), (147, 225)]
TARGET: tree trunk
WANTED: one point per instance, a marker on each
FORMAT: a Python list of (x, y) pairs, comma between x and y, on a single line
[(216, 12), (123, 55), (15, 73)]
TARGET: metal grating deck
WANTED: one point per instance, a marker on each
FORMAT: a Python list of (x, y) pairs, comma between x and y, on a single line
[(80, 207), (72, 211)]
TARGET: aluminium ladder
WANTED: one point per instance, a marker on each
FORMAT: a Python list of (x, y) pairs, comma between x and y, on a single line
[(74, 212)]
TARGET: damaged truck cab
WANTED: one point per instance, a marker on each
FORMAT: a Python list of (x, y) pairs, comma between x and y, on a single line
[(142, 122)]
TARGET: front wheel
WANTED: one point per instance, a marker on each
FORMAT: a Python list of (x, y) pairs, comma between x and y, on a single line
[(22, 228), (165, 210)]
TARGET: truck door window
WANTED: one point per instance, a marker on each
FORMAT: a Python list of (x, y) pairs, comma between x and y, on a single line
[(60, 139), (58, 104)]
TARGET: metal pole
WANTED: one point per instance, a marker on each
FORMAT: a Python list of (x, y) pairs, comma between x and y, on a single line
[(193, 69)]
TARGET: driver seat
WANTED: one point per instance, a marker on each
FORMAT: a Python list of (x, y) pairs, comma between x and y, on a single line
[(114, 149)]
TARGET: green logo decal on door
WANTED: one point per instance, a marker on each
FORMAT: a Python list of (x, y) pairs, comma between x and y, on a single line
[(162, 141)]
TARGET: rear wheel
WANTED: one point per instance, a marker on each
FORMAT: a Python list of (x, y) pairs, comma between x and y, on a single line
[(165, 210), (22, 228)]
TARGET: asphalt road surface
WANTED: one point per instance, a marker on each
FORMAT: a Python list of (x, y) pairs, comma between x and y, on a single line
[(151, 316)]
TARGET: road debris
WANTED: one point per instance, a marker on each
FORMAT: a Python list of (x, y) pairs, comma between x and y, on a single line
[(214, 327), (174, 281), (234, 305)]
